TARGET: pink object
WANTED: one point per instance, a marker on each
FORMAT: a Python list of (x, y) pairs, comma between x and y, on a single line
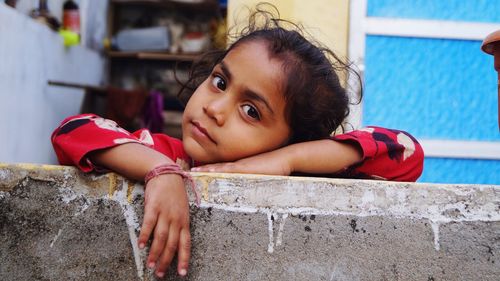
[(172, 169)]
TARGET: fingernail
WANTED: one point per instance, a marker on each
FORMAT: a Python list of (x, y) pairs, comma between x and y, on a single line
[(151, 264), (160, 274), (141, 246), (194, 169), (182, 272)]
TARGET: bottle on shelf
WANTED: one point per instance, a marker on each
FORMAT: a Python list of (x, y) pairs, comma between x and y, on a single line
[(43, 15), (140, 39)]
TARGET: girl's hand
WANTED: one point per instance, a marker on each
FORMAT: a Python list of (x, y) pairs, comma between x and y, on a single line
[(166, 212), (275, 162)]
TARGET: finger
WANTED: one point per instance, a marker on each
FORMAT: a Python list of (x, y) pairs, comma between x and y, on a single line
[(221, 168), (184, 252), (159, 241), (204, 168), (150, 219), (168, 252)]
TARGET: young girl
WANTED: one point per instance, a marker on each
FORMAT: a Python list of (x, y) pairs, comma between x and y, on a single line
[(265, 105)]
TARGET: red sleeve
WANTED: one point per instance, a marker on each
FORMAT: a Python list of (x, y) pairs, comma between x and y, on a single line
[(387, 154), (79, 135)]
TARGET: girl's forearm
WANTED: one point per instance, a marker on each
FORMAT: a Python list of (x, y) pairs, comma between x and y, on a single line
[(322, 156), (131, 160)]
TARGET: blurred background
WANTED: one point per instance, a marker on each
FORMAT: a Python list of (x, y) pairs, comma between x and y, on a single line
[(421, 63)]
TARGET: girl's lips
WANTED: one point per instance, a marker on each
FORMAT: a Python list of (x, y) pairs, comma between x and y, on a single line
[(202, 130)]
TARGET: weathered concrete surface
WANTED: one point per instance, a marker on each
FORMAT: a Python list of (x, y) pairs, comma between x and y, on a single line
[(59, 224)]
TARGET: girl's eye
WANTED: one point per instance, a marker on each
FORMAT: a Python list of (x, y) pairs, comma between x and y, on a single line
[(251, 111), (219, 83)]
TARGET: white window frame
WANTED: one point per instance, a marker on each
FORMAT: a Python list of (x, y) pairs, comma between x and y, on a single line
[(360, 25)]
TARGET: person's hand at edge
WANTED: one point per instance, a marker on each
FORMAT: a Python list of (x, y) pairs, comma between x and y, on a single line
[(166, 216)]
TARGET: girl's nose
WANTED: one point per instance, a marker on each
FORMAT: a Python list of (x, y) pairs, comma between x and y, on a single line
[(217, 110)]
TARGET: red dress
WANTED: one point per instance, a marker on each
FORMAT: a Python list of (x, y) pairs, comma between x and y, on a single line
[(387, 154)]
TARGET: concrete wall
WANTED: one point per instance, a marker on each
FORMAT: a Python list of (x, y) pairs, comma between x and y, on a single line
[(30, 55), (59, 224)]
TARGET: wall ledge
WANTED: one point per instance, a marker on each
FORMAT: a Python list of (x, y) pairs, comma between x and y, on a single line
[(253, 227)]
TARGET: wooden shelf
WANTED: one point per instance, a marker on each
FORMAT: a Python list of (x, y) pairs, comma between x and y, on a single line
[(153, 56), (200, 4), (194, 2)]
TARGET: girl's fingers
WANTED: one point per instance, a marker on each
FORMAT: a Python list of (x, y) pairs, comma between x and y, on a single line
[(169, 250), (150, 219), (222, 168), (205, 168), (184, 252), (160, 239)]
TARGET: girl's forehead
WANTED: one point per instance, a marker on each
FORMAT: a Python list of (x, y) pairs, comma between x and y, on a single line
[(250, 67), (252, 48), (256, 53), (253, 58)]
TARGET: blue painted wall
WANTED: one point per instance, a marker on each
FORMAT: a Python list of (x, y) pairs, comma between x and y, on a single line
[(447, 170), (435, 88), (460, 10)]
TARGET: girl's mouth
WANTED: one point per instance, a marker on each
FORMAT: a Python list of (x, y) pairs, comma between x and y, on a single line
[(200, 130)]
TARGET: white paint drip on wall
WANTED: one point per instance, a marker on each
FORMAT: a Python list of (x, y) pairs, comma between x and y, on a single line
[(280, 230), (270, 246), (56, 237), (271, 214), (435, 230), (120, 196), (130, 218), (271, 217)]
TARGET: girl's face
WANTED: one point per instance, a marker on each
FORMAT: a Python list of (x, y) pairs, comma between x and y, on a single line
[(239, 110)]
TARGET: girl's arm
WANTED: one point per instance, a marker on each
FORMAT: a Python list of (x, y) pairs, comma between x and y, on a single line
[(93, 143), (79, 136), (315, 157), (369, 153)]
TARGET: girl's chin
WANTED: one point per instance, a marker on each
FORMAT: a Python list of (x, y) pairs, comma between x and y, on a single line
[(197, 153)]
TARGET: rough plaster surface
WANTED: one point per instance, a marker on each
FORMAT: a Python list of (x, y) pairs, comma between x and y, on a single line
[(58, 224)]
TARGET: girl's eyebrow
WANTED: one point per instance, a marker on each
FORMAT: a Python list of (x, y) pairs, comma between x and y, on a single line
[(225, 70), (254, 96), (247, 92)]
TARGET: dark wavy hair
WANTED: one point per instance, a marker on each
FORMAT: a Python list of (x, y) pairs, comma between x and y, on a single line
[(316, 102)]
